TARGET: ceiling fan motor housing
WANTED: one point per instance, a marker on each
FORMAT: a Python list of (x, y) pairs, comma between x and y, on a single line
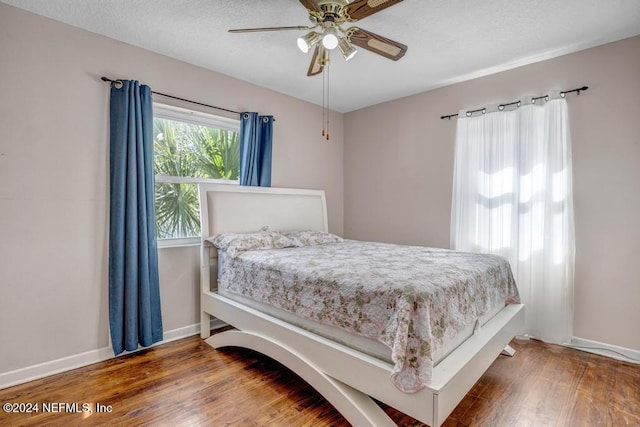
[(332, 10), (330, 13)]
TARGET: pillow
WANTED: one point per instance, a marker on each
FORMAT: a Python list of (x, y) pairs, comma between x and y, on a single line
[(236, 243), (311, 237)]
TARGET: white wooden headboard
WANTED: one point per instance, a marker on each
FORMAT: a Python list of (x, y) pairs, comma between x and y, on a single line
[(226, 208)]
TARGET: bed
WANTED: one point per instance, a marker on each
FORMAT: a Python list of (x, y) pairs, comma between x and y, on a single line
[(347, 372)]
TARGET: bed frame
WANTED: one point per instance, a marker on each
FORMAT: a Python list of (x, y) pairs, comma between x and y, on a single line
[(345, 377)]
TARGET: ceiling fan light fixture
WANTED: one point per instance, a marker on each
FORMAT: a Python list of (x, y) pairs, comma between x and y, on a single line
[(347, 49), (308, 41), (330, 38)]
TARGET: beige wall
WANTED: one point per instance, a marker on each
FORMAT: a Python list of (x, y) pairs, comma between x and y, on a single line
[(54, 179), (399, 171)]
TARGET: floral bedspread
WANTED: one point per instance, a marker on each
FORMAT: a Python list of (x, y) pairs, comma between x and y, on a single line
[(410, 298)]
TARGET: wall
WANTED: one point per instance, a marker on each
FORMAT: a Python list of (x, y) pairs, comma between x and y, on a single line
[(54, 183), (399, 173)]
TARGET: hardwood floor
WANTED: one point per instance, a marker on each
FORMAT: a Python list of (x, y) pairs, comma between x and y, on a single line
[(188, 383)]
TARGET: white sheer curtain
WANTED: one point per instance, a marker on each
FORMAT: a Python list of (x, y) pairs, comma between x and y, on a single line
[(512, 197)]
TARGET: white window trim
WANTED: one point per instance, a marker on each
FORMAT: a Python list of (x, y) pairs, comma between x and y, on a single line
[(178, 242), (169, 112), (186, 180)]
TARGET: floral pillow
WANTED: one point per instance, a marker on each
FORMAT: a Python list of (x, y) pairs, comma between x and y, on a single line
[(236, 243), (311, 237)]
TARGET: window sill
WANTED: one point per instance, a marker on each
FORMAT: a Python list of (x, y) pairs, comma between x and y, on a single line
[(178, 243)]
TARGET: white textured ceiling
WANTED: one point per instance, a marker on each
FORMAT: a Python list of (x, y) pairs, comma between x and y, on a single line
[(449, 41)]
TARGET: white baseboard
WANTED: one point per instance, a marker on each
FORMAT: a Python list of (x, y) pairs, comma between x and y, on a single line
[(41, 370), (608, 350)]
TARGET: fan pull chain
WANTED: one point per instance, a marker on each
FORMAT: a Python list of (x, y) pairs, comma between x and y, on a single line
[(323, 94), (328, 87)]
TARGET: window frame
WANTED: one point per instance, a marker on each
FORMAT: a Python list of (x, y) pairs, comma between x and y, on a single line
[(170, 112)]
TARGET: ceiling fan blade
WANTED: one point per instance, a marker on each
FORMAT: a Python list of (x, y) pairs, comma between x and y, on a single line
[(362, 8), (254, 30), (311, 5), (376, 44), (318, 61)]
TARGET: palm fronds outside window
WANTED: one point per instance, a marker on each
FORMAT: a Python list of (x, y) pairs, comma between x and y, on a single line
[(188, 150)]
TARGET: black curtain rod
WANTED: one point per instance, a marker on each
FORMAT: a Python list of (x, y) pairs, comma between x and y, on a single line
[(502, 106), (119, 82)]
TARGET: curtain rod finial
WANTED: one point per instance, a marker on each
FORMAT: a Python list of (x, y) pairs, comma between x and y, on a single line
[(116, 83)]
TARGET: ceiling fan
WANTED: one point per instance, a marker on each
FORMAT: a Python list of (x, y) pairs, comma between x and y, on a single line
[(327, 17)]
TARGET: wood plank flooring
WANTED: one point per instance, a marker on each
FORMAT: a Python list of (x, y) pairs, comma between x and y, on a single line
[(188, 383)]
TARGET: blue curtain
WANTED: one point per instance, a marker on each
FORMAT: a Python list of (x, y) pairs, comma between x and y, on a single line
[(256, 135), (134, 295)]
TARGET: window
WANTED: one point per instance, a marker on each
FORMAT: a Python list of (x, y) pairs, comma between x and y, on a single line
[(189, 148)]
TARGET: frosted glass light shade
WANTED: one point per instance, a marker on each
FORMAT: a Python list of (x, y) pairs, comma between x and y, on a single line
[(330, 39)]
